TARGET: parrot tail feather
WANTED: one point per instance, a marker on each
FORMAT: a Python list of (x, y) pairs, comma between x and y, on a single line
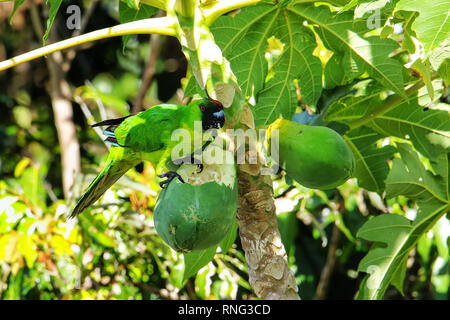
[(97, 188), (109, 122)]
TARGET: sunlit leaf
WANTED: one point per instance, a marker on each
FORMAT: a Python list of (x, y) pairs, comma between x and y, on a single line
[(395, 235), (342, 34), (433, 24), (371, 162)]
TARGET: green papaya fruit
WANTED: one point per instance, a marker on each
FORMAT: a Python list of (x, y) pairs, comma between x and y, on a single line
[(316, 157), (199, 213)]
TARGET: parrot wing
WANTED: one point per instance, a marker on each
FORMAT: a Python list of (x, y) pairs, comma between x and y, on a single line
[(151, 130)]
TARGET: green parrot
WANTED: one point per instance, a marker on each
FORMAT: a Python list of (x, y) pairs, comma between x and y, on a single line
[(147, 136)]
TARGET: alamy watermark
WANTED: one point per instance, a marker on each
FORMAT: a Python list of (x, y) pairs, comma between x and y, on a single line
[(73, 21), (374, 20)]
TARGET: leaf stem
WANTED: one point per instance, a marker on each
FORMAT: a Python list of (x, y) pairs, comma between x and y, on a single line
[(388, 105), (164, 26), (214, 12)]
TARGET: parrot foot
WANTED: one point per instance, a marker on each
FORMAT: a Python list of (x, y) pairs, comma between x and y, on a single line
[(199, 167), (190, 160), (170, 176)]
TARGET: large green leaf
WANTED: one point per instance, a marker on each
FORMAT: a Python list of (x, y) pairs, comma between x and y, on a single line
[(409, 178), (395, 235), (440, 60), (364, 97), (371, 162), (428, 130), (432, 26), (342, 34), (296, 62), (243, 40)]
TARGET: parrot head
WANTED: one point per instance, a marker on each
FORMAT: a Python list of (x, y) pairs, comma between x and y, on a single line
[(213, 115)]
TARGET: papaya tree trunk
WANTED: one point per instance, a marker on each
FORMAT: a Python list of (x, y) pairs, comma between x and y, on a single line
[(269, 273)]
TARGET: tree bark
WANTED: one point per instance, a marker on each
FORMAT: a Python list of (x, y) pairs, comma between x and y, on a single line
[(268, 269), (60, 93), (68, 141)]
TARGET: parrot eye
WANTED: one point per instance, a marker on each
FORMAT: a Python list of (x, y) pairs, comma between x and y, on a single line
[(203, 108)]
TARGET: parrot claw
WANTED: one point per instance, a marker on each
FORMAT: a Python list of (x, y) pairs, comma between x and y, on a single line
[(170, 176), (199, 167)]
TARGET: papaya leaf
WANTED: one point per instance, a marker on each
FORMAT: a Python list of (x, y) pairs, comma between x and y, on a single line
[(410, 179), (132, 11), (296, 62), (333, 75), (244, 42), (408, 18), (54, 7), (395, 235), (423, 68), (364, 97), (350, 5), (378, 11), (432, 26), (195, 260), (428, 130), (340, 33), (371, 162), (440, 61)]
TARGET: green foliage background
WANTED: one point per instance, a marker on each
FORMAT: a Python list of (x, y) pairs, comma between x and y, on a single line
[(385, 230)]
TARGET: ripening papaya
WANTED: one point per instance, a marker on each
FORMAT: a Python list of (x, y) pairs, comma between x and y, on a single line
[(316, 157), (198, 213)]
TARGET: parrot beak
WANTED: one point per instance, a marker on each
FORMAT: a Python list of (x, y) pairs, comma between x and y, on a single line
[(219, 118)]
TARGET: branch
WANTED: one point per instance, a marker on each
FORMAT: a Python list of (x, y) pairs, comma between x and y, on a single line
[(149, 71), (327, 270), (90, 119), (385, 107), (164, 26), (60, 91)]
